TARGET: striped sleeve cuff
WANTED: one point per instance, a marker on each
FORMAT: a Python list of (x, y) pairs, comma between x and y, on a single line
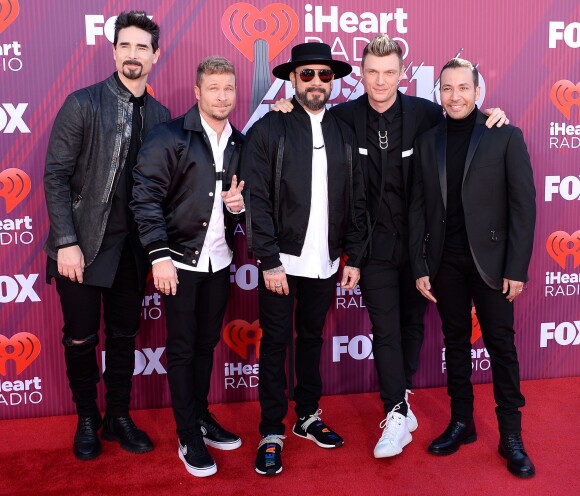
[(157, 250)]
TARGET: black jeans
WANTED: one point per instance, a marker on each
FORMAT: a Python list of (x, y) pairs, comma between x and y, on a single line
[(81, 309), (396, 310), (194, 318), (456, 284), (313, 298)]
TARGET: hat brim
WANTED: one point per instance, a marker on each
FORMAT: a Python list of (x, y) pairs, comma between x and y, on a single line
[(339, 68)]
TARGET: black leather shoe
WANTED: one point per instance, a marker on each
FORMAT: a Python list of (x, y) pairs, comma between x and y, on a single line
[(215, 435), (86, 444), (511, 447), (123, 429), (456, 434)]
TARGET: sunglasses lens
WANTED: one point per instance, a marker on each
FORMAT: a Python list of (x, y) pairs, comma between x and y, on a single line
[(307, 75), (325, 75)]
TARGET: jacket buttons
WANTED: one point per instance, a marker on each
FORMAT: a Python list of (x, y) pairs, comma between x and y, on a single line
[(194, 262), (204, 224), (211, 193), (196, 252)]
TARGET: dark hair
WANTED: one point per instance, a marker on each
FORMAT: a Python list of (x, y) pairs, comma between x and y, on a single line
[(456, 63), (138, 19), (213, 65), (381, 46)]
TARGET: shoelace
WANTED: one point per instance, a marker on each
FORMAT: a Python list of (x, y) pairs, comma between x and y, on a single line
[(313, 418), (514, 443), (272, 439), (87, 424), (389, 423)]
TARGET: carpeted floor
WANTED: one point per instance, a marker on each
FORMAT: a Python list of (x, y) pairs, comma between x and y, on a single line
[(36, 456)]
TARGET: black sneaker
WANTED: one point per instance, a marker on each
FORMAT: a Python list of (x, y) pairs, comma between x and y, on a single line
[(196, 457), (269, 458), (215, 435), (313, 428), (86, 444)]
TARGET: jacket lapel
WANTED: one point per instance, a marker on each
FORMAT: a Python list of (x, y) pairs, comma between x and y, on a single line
[(409, 118), (441, 151), (476, 135)]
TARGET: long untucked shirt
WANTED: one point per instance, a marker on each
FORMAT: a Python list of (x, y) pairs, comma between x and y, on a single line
[(215, 247), (314, 260)]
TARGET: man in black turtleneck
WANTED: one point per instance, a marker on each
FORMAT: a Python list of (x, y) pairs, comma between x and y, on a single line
[(94, 252), (471, 221)]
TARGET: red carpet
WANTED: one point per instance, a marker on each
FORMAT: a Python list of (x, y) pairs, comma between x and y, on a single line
[(36, 456)]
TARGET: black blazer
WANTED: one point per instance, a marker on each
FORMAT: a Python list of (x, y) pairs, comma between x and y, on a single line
[(498, 197)]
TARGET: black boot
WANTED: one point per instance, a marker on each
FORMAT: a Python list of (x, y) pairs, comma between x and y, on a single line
[(511, 447), (124, 430), (87, 445)]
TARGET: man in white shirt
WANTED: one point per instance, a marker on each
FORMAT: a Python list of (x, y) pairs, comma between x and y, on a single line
[(305, 190), (187, 201)]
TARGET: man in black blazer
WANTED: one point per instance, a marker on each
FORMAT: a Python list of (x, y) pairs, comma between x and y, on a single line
[(395, 308), (472, 219)]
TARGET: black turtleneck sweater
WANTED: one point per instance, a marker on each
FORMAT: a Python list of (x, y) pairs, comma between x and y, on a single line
[(458, 137)]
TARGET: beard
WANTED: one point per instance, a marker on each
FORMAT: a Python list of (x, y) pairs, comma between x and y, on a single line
[(318, 99), (132, 73)]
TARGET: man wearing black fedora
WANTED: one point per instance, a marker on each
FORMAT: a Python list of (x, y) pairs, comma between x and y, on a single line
[(305, 206)]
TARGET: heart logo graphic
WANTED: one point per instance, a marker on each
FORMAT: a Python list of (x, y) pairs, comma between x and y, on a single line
[(564, 95), (23, 348), (238, 334), (243, 24), (560, 244), (15, 186), (475, 327), (9, 10)]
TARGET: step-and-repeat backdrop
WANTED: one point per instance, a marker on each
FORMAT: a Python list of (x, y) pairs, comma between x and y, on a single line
[(526, 51)]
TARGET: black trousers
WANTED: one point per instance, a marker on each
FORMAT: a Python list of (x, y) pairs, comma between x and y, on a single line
[(81, 309), (396, 310), (456, 284), (194, 318), (313, 298)]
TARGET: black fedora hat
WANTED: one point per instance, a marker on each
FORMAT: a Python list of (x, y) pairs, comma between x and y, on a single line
[(312, 53)]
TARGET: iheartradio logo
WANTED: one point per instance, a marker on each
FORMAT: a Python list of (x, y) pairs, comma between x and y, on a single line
[(239, 334), (243, 25), (14, 186), (560, 245), (9, 10), (22, 348), (564, 95)]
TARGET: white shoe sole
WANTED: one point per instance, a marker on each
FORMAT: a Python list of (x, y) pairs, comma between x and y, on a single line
[(197, 472), (268, 473), (223, 446), (387, 453)]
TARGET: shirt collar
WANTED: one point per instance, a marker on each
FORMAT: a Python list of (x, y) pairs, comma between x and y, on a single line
[(133, 99), (226, 133), (388, 114), (317, 117)]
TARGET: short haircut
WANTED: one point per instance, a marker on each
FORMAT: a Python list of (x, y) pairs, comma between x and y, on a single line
[(138, 19), (213, 65), (381, 46), (455, 63)]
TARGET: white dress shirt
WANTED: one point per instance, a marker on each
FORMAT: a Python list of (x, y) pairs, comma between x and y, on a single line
[(314, 261)]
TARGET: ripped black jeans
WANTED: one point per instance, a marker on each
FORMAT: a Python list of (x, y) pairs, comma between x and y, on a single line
[(81, 308)]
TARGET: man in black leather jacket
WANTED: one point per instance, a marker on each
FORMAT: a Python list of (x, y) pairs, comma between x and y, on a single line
[(93, 248), (307, 202), (185, 179)]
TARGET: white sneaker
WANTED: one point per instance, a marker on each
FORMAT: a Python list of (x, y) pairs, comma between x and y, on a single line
[(412, 423), (395, 435)]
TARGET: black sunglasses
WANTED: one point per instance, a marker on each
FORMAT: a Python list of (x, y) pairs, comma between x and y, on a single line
[(307, 75)]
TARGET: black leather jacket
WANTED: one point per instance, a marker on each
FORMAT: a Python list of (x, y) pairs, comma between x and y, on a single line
[(174, 184), (86, 153), (277, 168)]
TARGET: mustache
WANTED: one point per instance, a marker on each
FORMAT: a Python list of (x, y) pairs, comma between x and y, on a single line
[(312, 89), (132, 62)]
